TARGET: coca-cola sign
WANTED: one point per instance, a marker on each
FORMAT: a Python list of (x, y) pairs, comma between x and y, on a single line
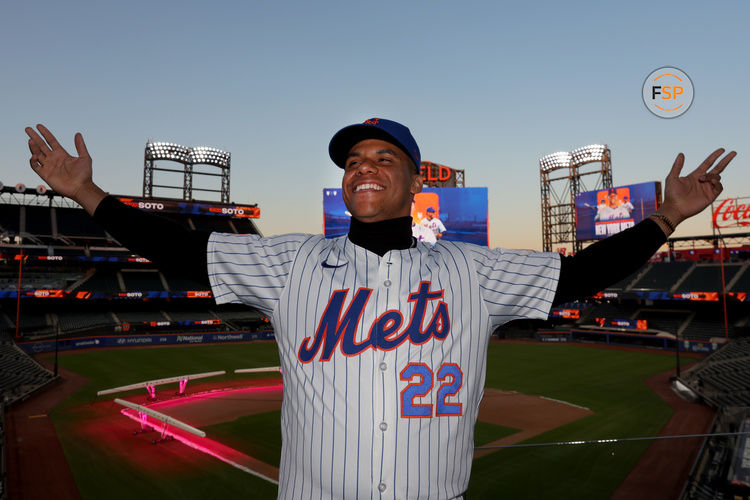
[(731, 212)]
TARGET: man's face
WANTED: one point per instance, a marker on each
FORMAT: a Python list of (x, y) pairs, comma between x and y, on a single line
[(379, 181), (430, 215), (613, 200)]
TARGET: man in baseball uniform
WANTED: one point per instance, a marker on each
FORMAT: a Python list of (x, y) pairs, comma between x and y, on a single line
[(382, 341), (612, 209), (433, 223)]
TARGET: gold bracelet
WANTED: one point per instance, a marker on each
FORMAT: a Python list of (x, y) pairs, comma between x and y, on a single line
[(670, 225)]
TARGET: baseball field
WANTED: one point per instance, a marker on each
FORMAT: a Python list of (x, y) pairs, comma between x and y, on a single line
[(542, 393)]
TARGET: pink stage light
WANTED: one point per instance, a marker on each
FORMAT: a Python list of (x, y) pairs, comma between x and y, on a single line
[(208, 446)]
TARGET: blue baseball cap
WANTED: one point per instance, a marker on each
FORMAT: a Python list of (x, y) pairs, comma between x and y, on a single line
[(374, 128), (430, 209)]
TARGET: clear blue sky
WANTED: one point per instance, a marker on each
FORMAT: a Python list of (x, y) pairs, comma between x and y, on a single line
[(486, 87)]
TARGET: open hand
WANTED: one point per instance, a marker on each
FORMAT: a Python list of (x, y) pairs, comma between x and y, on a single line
[(68, 175), (689, 195)]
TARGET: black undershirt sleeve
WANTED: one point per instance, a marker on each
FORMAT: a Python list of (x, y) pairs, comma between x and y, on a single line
[(607, 261), (175, 249)]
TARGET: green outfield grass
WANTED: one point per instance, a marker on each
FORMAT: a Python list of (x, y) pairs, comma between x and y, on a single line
[(609, 382)]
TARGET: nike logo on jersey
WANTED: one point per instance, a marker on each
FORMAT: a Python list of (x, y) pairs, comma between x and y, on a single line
[(337, 330), (331, 266)]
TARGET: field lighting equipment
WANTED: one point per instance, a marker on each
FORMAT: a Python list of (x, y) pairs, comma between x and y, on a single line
[(145, 412), (167, 151), (150, 385), (555, 161), (588, 154), (209, 156), (188, 157), (562, 178)]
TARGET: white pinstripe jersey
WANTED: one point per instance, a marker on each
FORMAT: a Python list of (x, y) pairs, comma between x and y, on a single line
[(383, 358)]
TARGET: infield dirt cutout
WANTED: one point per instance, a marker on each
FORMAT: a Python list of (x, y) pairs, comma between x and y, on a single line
[(532, 415)]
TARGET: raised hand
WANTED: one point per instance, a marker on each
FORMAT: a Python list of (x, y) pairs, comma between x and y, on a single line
[(68, 175), (689, 195)]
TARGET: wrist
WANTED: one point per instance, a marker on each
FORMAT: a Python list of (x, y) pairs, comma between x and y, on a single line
[(666, 225), (89, 196), (671, 213)]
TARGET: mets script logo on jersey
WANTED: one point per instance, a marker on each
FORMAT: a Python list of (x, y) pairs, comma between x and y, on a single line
[(337, 329)]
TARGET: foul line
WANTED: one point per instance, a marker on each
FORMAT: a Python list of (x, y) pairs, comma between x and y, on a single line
[(614, 440), (565, 403)]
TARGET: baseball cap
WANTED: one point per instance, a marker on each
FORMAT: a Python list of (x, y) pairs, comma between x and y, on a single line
[(612, 191), (430, 209), (374, 128)]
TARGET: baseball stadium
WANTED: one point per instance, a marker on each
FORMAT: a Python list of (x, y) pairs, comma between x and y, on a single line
[(120, 381)]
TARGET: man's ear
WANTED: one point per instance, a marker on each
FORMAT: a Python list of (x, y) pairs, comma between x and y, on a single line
[(416, 184)]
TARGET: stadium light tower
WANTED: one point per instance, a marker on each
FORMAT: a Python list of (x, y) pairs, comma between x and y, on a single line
[(562, 177), (188, 157)]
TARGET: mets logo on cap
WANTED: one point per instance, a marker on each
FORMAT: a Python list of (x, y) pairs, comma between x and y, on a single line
[(668, 92)]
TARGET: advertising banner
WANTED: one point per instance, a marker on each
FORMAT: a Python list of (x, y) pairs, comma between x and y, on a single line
[(731, 213), (88, 295), (456, 214), (606, 212), (142, 340), (194, 207), (629, 324)]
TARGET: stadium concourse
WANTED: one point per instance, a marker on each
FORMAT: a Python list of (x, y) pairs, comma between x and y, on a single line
[(66, 284)]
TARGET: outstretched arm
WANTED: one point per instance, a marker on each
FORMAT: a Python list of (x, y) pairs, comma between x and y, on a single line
[(614, 258), (175, 249)]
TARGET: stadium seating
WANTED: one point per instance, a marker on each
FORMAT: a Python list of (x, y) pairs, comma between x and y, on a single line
[(742, 283), (10, 220), (36, 221), (140, 316), (192, 314), (724, 377), (179, 284), (74, 223), (19, 373), (625, 283), (707, 277), (84, 320), (103, 280), (671, 321), (662, 276), (142, 280)]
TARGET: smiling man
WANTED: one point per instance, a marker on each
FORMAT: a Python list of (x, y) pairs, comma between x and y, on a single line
[(382, 339)]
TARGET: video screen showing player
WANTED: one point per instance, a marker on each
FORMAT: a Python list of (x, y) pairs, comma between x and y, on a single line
[(614, 206)]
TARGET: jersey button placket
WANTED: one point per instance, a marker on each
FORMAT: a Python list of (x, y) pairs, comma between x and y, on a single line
[(385, 297), (389, 294)]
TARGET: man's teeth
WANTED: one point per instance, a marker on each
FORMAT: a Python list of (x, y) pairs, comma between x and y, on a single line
[(374, 187)]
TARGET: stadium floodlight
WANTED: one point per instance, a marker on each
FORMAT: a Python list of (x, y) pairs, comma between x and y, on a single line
[(588, 154), (204, 155), (554, 161), (167, 151), (20, 187)]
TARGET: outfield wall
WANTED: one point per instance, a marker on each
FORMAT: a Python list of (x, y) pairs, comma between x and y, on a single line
[(67, 344), (628, 339)]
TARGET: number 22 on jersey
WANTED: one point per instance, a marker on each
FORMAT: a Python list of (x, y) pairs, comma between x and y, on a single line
[(421, 381)]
